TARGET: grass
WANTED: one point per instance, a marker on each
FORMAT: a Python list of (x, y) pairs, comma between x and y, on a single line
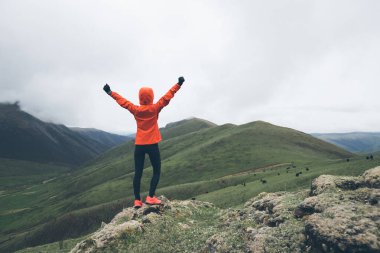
[(229, 191), (209, 164), (236, 195), (18, 175), (58, 247), (188, 231)]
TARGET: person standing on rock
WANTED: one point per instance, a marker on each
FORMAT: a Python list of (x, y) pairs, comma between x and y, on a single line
[(148, 135)]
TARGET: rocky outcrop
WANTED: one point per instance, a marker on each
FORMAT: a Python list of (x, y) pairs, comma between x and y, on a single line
[(338, 214), (265, 224), (372, 178), (344, 214), (166, 220), (127, 222)]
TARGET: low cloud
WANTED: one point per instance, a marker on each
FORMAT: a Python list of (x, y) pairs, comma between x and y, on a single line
[(307, 65)]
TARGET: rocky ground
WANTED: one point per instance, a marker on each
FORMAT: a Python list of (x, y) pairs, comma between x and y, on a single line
[(338, 214)]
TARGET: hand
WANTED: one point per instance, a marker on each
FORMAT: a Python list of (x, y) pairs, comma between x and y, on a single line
[(107, 89), (181, 80)]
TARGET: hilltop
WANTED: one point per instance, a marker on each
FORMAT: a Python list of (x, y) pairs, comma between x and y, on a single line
[(185, 126), (337, 214), (24, 137)]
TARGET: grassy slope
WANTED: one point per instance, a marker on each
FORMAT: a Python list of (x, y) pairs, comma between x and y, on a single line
[(58, 196), (56, 247), (192, 164), (278, 179), (199, 156), (18, 174), (231, 187)]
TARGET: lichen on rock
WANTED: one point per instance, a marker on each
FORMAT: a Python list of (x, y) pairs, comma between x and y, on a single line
[(343, 219), (371, 177)]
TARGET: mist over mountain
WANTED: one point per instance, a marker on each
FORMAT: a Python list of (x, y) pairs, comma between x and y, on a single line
[(357, 142), (109, 140), (24, 137)]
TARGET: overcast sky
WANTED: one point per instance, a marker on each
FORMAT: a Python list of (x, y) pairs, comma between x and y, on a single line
[(309, 65)]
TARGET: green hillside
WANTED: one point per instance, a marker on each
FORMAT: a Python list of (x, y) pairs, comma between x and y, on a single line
[(18, 175), (185, 126), (209, 162), (24, 205)]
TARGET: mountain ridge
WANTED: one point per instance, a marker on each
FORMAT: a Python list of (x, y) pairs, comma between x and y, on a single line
[(356, 142), (26, 137)]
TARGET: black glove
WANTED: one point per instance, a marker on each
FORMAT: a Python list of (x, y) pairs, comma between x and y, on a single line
[(181, 80), (107, 89)]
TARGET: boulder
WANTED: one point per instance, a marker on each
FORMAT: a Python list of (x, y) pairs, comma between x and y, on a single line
[(344, 214), (326, 183), (372, 177)]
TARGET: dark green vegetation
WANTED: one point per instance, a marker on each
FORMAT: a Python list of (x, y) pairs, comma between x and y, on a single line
[(357, 142), (56, 247), (16, 175), (222, 164), (24, 137)]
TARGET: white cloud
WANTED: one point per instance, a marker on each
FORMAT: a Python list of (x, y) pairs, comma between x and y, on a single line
[(308, 65)]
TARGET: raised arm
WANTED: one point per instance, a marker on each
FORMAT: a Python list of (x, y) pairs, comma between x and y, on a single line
[(120, 100), (165, 99)]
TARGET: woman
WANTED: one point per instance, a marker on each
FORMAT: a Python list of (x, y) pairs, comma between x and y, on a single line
[(148, 135)]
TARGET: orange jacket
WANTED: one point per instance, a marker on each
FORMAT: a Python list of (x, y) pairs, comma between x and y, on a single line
[(146, 114)]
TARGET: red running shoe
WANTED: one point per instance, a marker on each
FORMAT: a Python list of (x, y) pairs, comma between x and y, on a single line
[(138, 203), (152, 201)]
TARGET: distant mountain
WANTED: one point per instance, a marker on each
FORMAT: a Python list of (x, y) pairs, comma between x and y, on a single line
[(357, 142), (24, 137), (108, 139)]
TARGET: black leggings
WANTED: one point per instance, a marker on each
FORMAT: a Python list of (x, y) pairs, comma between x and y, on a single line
[(155, 159)]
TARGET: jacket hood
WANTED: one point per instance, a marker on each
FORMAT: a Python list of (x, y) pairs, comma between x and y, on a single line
[(146, 96)]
